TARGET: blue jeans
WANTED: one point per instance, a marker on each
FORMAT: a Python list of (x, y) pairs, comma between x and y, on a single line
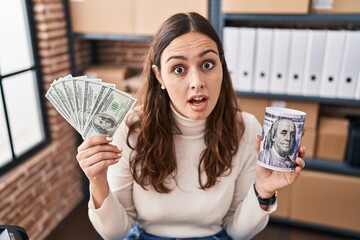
[(219, 236)]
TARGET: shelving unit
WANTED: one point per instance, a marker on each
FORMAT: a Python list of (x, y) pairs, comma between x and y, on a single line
[(112, 37), (336, 101), (318, 21), (331, 166), (318, 227), (311, 17)]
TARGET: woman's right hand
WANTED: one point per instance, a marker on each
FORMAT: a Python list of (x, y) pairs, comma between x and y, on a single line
[(94, 156)]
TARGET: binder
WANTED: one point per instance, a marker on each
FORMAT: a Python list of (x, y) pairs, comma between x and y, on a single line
[(245, 63), (230, 42), (332, 61), (295, 76), (279, 60), (262, 59), (357, 92), (350, 65), (314, 62)]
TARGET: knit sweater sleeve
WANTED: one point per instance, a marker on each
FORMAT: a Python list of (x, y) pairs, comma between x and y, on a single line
[(115, 218), (245, 217)]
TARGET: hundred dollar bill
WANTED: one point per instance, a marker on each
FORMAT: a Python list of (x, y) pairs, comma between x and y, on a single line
[(78, 83), (109, 113), (93, 92), (79, 91), (67, 86), (59, 90), (56, 102)]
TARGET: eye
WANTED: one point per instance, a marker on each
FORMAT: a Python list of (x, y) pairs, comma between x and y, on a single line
[(283, 133), (208, 65), (179, 70)]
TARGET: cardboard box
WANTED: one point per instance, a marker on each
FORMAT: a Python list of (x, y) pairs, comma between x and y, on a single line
[(327, 199), (311, 109), (332, 138), (335, 6), (283, 203), (102, 17), (150, 14), (109, 74), (266, 6), (133, 84), (257, 107), (254, 106), (309, 141)]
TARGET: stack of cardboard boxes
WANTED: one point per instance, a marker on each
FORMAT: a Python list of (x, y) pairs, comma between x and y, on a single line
[(128, 17), (290, 6), (124, 78), (332, 138), (324, 199), (266, 6)]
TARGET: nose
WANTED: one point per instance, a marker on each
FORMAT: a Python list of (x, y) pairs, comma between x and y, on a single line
[(288, 137), (196, 81)]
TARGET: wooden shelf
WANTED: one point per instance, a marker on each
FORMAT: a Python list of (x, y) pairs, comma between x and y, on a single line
[(337, 101), (113, 37), (311, 17), (331, 166), (337, 231)]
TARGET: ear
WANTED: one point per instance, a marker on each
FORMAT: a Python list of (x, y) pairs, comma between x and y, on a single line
[(157, 73)]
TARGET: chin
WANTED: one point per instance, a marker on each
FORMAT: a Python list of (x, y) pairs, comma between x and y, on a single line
[(198, 116)]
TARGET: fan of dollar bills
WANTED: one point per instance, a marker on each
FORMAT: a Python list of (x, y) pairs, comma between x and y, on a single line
[(91, 106)]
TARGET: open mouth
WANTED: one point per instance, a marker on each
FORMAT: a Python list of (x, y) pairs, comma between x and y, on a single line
[(197, 100)]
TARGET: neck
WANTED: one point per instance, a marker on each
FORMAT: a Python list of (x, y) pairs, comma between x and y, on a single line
[(188, 127)]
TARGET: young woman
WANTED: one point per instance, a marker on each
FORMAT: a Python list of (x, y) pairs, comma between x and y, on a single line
[(183, 165)]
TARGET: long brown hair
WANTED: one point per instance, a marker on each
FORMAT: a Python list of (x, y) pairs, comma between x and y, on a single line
[(153, 159)]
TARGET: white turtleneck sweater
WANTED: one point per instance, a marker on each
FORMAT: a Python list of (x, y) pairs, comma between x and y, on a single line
[(187, 211)]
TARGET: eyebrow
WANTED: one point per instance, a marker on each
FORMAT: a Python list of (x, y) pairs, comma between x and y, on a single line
[(207, 51), (184, 58)]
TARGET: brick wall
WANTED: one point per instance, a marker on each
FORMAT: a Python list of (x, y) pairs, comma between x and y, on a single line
[(120, 53), (83, 54), (125, 53), (39, 193)]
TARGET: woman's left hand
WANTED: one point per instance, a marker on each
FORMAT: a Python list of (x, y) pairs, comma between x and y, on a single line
[(269, 181)]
